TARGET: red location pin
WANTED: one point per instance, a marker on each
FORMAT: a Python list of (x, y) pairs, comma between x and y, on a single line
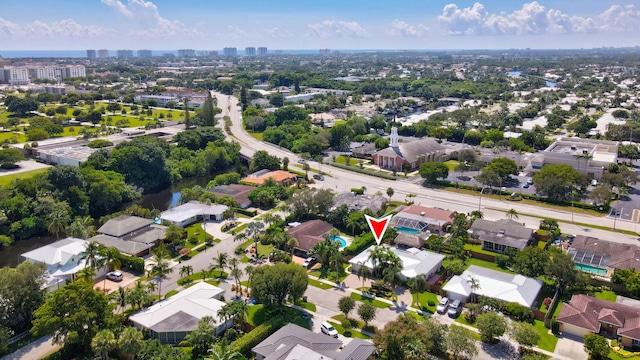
[(378, 226)]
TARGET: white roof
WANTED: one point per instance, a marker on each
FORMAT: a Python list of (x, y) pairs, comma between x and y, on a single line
[(414, 261), (496, 284), (57, 253), (191, 209), (196, 301)]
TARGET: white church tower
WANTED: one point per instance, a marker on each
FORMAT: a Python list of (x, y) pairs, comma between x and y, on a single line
[(394, 135)]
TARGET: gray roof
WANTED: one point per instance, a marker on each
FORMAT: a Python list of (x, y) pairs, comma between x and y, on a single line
[(123, 225), (411, 151), (291, 335), (360, 202), (357, 349), (179, 321), (124, 246), (505, 231)]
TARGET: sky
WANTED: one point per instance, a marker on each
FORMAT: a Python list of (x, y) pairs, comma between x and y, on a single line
[(319, 24)]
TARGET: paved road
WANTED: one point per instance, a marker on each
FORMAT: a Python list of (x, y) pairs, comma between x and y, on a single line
[(36, 350)]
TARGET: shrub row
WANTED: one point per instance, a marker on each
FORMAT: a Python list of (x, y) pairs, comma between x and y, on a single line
[(359, 244), (251, 213), (244, 344), (364, 171), (134, 263)]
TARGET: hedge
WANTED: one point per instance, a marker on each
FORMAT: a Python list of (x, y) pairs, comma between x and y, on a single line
[(134, 263), (364, 171), (359, 244), (251, 213), (244, 344)]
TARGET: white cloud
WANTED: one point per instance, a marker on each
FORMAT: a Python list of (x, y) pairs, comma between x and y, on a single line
[(275, 32), (338, 29), (534, 18), (57, 30), (401, 28), (146, 20)]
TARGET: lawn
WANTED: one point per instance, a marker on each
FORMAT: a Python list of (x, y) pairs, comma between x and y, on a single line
[(319, 284), (327, 274), (257, 314), (424, 298), (307, 305), (215, 274), (451, 165), (352, 161), (377, 303), (486, 264), (6, 135), (547, 340), (256, 135), (352, 332), (474, 334), (619, 356), (7, 179), (478, 248), (606, 295), (265, 250)]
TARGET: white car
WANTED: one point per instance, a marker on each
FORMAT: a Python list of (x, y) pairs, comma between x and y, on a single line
[(442, 305), (454, 309), (308, 261), (328, 329), (594, 182), (115, 276)]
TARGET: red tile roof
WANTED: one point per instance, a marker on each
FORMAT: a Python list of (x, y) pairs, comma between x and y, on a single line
[(438, 214), (588, 312), (310, 233)]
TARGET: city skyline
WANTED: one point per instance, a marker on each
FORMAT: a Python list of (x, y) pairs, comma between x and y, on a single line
[(280, 24)]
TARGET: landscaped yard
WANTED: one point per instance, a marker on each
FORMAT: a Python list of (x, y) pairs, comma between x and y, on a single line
[(547, 341), (424, 298), (352, 161), (7, 179), (323, 273), (478, 248), (451, 165), (354, 331), (486, 264), (257, 314), (606, 295), (374, 302), (6, 135)]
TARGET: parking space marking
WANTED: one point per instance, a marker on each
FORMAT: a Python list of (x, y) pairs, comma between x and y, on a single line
[(636, 215)]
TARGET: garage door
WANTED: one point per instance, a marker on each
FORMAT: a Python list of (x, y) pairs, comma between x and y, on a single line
[(574, 330), (455, 296)]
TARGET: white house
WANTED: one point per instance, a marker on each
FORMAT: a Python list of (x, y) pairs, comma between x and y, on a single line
[(186, 214), (495, 284), (414, 262), (172, 319), (63, 259)]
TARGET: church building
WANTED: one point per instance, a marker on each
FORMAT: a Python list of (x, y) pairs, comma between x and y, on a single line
[(413, 153)]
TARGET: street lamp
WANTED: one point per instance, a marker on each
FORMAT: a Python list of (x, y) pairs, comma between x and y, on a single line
[(480, 200)]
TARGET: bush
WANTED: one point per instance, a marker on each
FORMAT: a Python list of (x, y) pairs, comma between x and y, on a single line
[(99, 143), (431, 303), (247, 212), (357, 191), (502, 261), (134, 263), (346, 324), (193, 240), (244, 344), (546, 302), (359, 244), (519, 312), (555, 327), (364, 171)]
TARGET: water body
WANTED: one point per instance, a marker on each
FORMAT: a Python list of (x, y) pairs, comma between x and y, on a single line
[(550, 84), (161, 200)]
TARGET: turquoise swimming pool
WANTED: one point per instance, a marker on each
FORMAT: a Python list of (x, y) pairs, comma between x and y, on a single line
[(591, 269), (343, 242), (407, 230)]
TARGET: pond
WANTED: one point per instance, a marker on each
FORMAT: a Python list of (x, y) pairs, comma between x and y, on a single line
[(161, 200)]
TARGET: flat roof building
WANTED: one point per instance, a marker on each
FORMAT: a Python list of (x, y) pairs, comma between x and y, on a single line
[(91, 54), (589, 156), (144, 53)]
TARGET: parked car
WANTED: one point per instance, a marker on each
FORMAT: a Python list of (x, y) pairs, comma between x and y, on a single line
[(328, 329), (454, 309), (530, 181), (318, 177), (308, 262), (525, 186), (115, 276), (301, 161), (442, 305), (594, 182), (503, 188)]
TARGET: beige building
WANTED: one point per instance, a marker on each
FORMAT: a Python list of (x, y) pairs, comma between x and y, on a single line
[(589, 156)]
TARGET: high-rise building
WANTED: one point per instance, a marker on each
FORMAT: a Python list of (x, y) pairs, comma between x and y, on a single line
[(16, 76), (186, 53), (124, 53), (213, 53), (91, 54), (103, 53), (144, 53), (250, 51), (230, 51), (324, 51), (262, 51), (202, 53), (56, 72)]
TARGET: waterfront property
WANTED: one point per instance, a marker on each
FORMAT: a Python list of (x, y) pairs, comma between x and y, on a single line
[(586, 314), (188, 213), (501, 234), (279, 176), (414, 262), (600, 257), (494, 284), (131, 235), (172, 319), (295, 342), (63, 259), (238, 192)]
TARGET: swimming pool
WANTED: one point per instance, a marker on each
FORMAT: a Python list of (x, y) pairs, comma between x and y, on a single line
[(591, 269), (407, 230), (343, 242)]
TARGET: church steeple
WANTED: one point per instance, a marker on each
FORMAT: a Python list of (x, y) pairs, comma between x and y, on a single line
[(394, 134)]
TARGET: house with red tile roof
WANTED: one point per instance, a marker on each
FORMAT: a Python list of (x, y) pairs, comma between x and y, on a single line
[(309, 234), (586, 314)]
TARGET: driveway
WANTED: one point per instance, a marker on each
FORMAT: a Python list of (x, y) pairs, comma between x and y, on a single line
[(571, 347)]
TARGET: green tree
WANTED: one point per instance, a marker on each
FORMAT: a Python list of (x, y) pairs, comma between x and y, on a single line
[(558, 180), (367, 312), (363, 272), (489, 178), (272, 285), (92, 255), (390, 192), (223, 352), (130, 342), (221, 260), (491, 326), (418, 285), (160, 270), (562, 270), (531, 262), (81, 227), (432, 171), (346, 304), (597, 346), (21, 294), (187, 116), (9, 157), (512, 213), (102, 343), (503, 167), (460, 342), (254, 229), (405, 338), (262, 160), (58, 220), (208, 114), (186, 270), (524, 334), (74, 314), (202, 337)]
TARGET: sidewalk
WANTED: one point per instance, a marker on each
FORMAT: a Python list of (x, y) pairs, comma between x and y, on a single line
[(36, 350)]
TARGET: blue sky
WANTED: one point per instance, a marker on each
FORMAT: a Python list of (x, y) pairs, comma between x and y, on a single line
[(303, 24)]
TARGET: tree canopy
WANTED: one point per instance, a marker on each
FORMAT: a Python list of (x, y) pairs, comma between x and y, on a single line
[(272, 285)]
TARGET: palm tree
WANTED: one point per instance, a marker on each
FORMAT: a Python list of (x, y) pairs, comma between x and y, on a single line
[(512, 213), (391, 275), (476, 214), (336, 260), (390, 192), (353, 222), (204, 273), (92, 255), (58, 220), (417, 285), (236, 273), (233, 263), (223, 352), (363, 272), (306, 169), (186, 270), (270, 218), (241, 236), (221, 262), (121, 296), (81, 227), (474, 283), (254, 229), (292, 243), (249, 271), (103, 342), (377, 256), (111, 258), (130, 341), (160, 271)]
